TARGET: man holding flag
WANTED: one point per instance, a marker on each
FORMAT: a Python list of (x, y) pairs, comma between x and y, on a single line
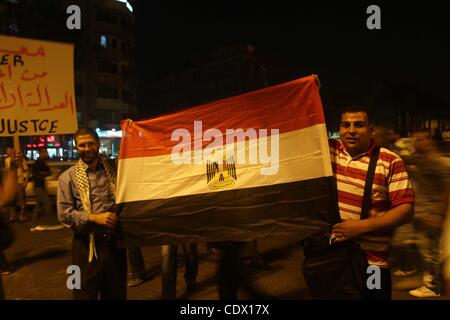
[(256, 165), (86, 204), (392, 197)]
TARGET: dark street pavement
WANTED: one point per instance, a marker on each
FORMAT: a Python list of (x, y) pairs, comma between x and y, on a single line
[(40, 260)]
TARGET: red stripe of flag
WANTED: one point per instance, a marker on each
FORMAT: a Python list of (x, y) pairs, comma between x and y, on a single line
[(287, 107)]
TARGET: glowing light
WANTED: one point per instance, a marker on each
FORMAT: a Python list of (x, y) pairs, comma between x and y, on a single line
[(127, 4)]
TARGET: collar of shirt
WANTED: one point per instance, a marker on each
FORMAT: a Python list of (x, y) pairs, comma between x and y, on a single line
[(86, 166), (368, 152)]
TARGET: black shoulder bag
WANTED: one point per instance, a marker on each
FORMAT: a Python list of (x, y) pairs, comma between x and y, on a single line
[(338, 270)]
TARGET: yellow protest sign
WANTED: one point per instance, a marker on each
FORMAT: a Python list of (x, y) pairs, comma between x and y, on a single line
[(36, 87)]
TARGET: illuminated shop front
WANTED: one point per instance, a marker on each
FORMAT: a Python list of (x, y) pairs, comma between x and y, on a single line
[(59, 147), (109, 141)]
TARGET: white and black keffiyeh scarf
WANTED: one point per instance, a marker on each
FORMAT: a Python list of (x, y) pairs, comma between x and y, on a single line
[(82, 182)]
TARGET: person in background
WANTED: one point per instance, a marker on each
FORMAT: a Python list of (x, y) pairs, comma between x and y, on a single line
[(404, 252), (249, 256), (22, 181), (42, 217), (8, 188), (432, 184), (137, 274), (169, 269), (384, 136), (446, 134)]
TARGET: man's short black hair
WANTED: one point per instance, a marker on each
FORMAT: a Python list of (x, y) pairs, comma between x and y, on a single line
[(84, 131), (357, 108)]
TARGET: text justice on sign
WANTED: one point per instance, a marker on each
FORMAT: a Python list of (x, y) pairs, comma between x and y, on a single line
[(12, 126)]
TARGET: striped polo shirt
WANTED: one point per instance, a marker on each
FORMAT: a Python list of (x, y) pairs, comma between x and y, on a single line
[(391, 187)]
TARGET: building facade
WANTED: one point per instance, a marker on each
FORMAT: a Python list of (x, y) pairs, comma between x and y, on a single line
[(104, 66), (227, 72)]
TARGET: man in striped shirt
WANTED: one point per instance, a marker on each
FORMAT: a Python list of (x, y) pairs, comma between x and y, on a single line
[(392, 196)]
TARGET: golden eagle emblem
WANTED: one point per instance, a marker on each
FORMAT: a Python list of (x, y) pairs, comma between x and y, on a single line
[(221, 177)]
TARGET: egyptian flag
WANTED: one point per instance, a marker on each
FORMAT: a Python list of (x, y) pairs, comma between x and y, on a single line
[(253, 165)]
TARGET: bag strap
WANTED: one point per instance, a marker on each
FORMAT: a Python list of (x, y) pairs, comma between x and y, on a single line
[(369, 183), (336, 218)]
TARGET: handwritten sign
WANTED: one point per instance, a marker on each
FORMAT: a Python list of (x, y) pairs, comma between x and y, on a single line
[(36, 87)]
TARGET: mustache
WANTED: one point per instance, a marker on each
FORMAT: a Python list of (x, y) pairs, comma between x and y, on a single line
[(88, 153)]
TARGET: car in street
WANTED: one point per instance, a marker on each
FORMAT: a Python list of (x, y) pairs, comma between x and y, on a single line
[(51, 182)]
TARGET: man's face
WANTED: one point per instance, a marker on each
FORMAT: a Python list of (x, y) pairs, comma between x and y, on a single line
[(87, 148), (43, 154), (356, 132), (422, 141), (391, 136)]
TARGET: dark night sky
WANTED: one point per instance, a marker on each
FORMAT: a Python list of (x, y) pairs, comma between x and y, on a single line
[(300, 38)]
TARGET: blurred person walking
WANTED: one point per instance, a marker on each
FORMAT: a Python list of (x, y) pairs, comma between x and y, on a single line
[(404, 252), (432, 183)]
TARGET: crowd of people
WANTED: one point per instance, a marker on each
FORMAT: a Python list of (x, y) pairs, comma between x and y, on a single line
[(408, 210)]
